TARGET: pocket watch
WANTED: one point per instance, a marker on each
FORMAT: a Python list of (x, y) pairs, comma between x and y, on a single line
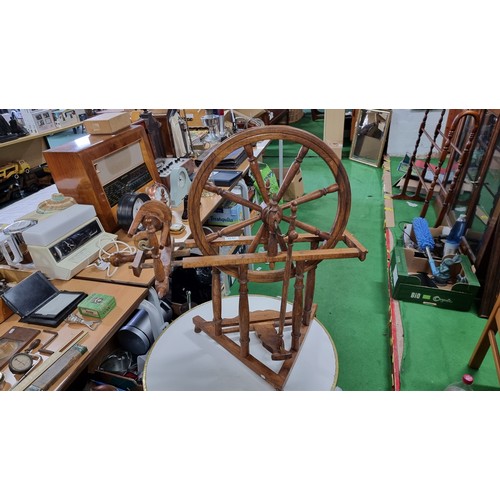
[(20, 363), (158, 191), (128, 206)]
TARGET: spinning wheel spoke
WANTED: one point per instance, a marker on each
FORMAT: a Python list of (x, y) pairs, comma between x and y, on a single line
[(256, 241), (314, 195), (281, 242), (308, 228), (254, 167), (229, 195), (292, 172)]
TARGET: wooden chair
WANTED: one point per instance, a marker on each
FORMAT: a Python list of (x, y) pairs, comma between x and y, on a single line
[(488, 340)]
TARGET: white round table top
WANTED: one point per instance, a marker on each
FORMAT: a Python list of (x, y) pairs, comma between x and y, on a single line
[(182, 360)]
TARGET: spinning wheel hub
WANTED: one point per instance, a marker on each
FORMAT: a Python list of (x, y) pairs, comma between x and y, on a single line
[(272, 215)]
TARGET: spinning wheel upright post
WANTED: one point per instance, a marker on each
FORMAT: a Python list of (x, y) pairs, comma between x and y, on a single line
[(272, 246)]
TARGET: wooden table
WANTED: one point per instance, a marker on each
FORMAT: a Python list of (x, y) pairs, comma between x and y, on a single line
[(127, 300), (120, 285)]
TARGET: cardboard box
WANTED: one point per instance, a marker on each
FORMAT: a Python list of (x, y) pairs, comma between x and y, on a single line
[(225, 215), (248, 113), (193, 117), (337, 148), (107, 123), (37, 121), (295, 189), (407, 286), (333, 127)]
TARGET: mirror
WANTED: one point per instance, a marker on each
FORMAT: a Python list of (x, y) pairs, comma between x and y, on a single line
[(370, 135)]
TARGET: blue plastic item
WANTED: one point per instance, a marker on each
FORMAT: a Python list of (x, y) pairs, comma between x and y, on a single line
[(425, 240), (453, 240)]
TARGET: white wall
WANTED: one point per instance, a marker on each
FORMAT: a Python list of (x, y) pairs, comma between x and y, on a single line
[(404, 131)]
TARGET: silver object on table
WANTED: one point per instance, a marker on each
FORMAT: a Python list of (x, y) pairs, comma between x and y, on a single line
[(75, 319)]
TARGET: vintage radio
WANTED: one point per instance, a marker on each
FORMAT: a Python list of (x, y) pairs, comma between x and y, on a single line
[(99, 169)]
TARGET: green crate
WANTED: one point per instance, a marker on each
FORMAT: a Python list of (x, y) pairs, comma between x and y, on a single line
[(405, 263)]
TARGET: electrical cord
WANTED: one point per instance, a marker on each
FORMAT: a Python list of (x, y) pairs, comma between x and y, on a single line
[(102, 262)]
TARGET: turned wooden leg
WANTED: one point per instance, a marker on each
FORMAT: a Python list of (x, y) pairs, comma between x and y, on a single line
[(244, 312), (310, 284), (297, 305), (217, 300)]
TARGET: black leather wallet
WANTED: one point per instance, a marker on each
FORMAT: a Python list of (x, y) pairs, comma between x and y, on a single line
[(39, 302)]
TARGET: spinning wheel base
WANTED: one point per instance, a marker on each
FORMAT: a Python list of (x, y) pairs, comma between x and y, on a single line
[(219, 332)]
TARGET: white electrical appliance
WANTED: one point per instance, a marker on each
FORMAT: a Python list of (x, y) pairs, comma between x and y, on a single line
[(66, 242), (174, 174)]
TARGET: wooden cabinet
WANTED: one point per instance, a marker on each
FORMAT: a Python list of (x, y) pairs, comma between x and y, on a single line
[(99, 169)]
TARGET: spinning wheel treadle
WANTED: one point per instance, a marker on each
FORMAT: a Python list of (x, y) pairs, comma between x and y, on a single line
[(279, 227)]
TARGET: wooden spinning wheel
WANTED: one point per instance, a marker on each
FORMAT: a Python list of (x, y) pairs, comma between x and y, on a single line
[(273, 214), (278, 229)]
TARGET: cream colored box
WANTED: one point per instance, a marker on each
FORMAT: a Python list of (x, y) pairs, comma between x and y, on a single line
[(107, 123), (337, 148)]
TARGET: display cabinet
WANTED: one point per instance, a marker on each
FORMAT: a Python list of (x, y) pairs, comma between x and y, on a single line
[(478, 197)]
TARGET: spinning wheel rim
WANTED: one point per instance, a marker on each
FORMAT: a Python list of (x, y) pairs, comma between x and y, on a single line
[(251, 136)]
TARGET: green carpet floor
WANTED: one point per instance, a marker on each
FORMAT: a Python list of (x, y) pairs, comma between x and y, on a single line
[(351, 295)]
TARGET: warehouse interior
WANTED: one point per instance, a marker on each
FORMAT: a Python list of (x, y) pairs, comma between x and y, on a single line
[(390, 349)]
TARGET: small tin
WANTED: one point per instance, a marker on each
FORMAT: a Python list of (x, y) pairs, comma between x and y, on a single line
[(97, 305)]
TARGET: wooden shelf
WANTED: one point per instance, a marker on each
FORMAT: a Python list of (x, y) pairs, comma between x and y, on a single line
[(30, 147), (32, 137)]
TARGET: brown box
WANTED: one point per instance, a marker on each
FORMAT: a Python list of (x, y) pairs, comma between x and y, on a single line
[(107, 123), (295, 189), (11, 276)]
